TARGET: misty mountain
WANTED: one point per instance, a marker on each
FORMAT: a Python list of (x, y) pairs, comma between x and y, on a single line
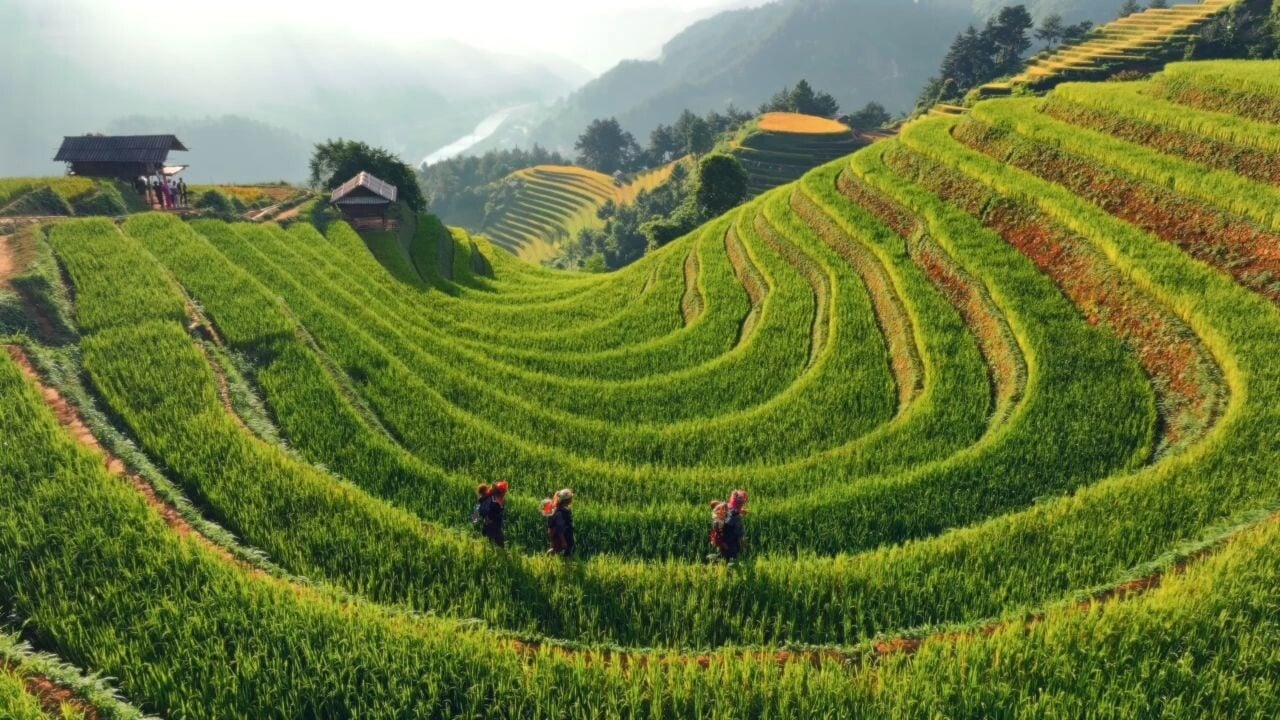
[(858, 50), (75, 75), (227, 149)]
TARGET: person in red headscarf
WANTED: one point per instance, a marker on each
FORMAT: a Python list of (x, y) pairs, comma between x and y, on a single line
[(559, 516), (490, 512), (733, 534)]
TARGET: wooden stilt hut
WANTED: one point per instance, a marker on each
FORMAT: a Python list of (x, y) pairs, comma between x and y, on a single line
[(364, 196), (121, 157)]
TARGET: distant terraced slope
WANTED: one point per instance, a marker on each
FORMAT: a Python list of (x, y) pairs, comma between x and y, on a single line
[(1003, 390), (551, 203), (781, 147), (1154, 35)]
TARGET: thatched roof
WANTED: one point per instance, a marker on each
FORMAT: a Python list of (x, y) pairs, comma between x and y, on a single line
[(383, 190), (118, 148)]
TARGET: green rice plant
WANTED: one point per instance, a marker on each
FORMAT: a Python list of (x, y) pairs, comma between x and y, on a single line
[(134, 289), (296, 646), (1134, 100), (19, 663), (867, 454), (16, 702), (40, 200), (97, 360), (1256, 201), (1247, 89), (11, 188)]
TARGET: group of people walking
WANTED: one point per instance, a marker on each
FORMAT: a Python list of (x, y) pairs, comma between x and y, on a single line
[(163, 193), (727, 536)]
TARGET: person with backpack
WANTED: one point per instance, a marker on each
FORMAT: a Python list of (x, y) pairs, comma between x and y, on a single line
[(719, 514), (734, 534), (560, 523), (489, 514), (477, 511), (495, 517)]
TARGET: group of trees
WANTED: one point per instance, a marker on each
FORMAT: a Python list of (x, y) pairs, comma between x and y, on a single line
[(1132, 6), (718, 183), (622, 240), (998, 49), (661, 215), (872, 115), (802, 99), (605, 146), (1053, 31), (460, 188), (337, 161), (1250, 29), (691, 134)]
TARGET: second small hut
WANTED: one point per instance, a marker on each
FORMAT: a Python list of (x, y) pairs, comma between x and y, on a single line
[(364, 197)]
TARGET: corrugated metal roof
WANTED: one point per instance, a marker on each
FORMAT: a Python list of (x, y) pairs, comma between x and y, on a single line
[(117, 148), (368, 182)]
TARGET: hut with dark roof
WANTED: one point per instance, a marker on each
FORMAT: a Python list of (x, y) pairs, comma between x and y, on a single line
[(364, 196), (126, 157)]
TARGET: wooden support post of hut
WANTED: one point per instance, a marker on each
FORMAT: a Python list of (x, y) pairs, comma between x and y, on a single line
[(364, 196)]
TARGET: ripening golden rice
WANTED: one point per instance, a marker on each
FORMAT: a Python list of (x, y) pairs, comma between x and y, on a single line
[(786, 122)]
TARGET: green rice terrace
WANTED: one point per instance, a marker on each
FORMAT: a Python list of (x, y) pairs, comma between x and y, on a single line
[(548, 204), (1003, 392)]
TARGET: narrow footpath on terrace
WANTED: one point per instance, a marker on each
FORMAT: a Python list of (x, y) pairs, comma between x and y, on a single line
[(6, 260)]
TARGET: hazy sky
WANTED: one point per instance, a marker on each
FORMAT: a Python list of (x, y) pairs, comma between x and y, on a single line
[(593, 33)]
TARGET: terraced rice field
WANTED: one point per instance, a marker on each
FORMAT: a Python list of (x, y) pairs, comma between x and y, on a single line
[(787, 122), (553, 202), (1154, 35), (51, 196), (1003, 390), (783, 146), (249, 197)]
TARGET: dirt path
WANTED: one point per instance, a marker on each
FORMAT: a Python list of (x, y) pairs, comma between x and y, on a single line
[(892, 318), (224, 387), (52, 696), (750, 279), (6, 260), (69, 417), (692, 304)]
